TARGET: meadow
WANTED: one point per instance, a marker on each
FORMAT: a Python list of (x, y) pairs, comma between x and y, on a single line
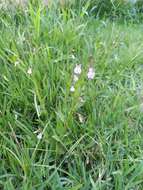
[(71, 100)]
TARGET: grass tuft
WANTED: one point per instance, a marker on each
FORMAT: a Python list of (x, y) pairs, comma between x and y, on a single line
[(52, 138)]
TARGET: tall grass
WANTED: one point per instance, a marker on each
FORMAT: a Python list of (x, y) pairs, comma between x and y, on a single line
[(110, 8), (52, 138)]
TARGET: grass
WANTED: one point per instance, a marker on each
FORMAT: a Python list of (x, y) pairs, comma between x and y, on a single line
[(93, 144)]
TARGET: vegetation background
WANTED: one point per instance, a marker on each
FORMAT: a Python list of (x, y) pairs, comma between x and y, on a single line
[(52, 138)]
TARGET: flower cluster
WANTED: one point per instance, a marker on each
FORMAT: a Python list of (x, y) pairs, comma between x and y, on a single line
[(77, 72)]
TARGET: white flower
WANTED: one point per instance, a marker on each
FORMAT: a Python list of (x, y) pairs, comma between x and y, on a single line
[(29, 71), (75, 78), (16, 63), (72, 56), (39, 136), (34, 50), (16, 116), (91, 73), (72, 89), (77, 69)]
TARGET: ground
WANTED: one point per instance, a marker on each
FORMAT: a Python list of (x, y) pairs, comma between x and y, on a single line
[(55, 139)]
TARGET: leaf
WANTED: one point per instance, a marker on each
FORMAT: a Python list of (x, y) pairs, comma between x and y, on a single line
[(77, 187)]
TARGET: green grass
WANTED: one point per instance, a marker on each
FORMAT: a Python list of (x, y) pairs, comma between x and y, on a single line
[(105, 151)]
